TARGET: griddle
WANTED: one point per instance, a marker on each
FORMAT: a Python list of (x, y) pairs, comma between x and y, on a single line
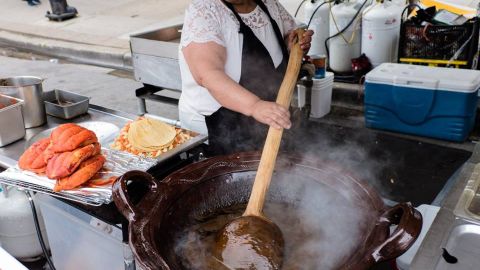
[(401, 169)]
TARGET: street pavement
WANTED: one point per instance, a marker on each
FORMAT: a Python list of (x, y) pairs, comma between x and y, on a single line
[(101, 84), (99, 35)]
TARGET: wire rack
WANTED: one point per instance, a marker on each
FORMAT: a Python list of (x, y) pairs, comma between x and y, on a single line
[(117, 164), (76, 196)]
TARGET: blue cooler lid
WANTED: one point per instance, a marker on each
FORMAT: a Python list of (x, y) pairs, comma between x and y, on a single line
[(425, 77)]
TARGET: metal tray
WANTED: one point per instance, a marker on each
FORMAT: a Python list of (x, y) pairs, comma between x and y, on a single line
[(468, 206), (196, 140), (106, 124), (64, 104), (11, 120)]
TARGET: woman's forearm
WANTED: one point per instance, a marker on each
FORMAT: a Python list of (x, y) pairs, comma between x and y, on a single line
[(228, 93), (207, 65), (206, 62)]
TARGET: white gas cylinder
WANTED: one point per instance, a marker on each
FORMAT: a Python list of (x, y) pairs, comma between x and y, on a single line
[(400, 3), (381, 32), (345, 47), (319, 24), (17, 230)]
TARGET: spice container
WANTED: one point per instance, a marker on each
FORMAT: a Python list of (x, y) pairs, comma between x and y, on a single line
[(11, 120), (64, 104), (320, 62)]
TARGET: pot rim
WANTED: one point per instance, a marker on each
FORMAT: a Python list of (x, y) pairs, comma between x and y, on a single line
[(40, 81), (378, 245)]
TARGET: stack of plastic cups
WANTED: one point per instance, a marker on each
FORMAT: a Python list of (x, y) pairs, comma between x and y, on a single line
[(321, 99)]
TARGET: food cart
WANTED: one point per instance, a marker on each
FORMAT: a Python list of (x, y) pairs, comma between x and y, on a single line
[(87, 231)]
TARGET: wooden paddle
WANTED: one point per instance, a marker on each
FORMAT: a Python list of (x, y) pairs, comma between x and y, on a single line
[(252, 240)]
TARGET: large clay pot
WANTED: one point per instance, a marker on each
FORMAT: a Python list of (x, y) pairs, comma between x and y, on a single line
[(203, 188)]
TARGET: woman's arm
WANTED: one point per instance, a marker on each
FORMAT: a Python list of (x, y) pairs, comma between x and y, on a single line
[(207, 65)]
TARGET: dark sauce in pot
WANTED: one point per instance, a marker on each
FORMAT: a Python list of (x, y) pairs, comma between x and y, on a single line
[(316, 236)]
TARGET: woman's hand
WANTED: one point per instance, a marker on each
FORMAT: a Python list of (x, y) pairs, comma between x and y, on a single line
[(305, 43), (272, 114)]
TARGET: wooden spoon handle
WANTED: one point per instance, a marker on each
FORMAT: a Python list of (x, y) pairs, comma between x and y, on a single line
[(274, 136)]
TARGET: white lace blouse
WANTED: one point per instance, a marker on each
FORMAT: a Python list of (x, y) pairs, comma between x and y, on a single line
[(212, 21)]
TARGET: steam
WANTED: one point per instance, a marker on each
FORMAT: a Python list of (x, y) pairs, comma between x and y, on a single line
[(321, 226), (322, 229)]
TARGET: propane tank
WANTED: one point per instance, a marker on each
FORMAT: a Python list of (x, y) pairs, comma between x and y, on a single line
[(319, 24), (381, 32), (17, 229), (343, 48), (400, 3)]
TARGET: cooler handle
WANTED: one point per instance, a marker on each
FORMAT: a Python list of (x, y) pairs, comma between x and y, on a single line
[(408, 81)]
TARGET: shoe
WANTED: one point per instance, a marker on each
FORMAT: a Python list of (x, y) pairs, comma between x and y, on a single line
[(33, 2)]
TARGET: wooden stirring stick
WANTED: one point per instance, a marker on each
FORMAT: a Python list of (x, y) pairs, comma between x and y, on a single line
[(274, 136), (252, 241)]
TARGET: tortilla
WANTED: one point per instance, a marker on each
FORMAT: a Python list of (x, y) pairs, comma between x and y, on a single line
[(150, 135)]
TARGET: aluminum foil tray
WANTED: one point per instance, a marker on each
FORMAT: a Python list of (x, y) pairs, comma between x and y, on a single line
[(117, 164)]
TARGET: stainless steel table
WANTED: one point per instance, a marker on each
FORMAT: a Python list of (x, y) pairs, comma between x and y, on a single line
[(429, 255), (10, 154)]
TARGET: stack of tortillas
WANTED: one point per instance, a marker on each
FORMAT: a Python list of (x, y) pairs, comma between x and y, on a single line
[(149, 135)]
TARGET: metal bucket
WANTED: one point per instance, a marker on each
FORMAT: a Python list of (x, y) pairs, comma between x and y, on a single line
[(29, 89)]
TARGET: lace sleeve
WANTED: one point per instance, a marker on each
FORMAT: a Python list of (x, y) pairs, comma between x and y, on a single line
[(202, 24), (289, 23)]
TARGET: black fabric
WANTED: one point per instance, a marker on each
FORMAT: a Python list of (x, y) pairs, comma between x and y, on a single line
[(229, 131)]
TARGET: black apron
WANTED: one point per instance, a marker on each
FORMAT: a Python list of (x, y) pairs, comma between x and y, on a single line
[(229, 131)]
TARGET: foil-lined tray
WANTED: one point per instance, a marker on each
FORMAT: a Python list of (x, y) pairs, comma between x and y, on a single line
[(106, 124), (117, 163)]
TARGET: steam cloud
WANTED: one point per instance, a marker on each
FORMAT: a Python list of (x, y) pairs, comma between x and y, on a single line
[(321, 226)]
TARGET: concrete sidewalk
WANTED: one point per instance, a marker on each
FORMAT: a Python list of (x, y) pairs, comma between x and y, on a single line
[(98, 36)]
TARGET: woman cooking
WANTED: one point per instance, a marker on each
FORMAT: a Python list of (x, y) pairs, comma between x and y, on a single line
[(233, 58)]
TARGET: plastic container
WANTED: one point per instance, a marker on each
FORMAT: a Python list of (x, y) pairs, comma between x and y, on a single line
[(321, 99), (11, 120), (456, 45), (299, 98), (427, 101), (78, 240)]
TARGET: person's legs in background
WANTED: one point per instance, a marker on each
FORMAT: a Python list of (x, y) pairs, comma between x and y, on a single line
[(33, 2)]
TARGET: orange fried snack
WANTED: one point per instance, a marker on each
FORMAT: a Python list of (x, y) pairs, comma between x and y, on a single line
[(33, 158), (64, 164), (101, 182), (68, 137), (85, 172)]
